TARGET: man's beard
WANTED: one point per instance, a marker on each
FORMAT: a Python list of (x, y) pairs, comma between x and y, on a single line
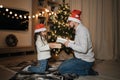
[(72, 27)]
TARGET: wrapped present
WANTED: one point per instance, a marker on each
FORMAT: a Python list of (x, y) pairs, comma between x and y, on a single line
[(57, 45), (62, 40)]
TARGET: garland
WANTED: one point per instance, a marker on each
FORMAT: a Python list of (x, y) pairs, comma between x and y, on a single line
[(11, 40)]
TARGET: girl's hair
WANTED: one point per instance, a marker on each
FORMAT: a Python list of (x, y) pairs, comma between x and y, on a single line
[(37, 34), (35, 38)]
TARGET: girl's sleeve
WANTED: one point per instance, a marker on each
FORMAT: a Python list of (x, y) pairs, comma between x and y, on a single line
[(42, 47)]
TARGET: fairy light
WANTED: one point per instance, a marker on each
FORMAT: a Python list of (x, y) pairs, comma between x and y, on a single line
[(3, 13), (49, 13), (26, 16), (15, 14), (8, 16), (46, 10), (13, 17), (10, 12), (36, 15), (17, 18), (43, 12), (52, 13), (39, 14), (33, 16), (6, 10), (20, 16), (56, 54), (29, 17), (1, 6), (53, 49)]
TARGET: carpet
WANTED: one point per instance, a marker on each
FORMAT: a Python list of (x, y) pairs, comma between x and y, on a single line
[(34, 76), (50, 75), (99, 77)]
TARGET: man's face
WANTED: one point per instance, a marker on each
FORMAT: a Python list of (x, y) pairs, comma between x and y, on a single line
[(71, 24)]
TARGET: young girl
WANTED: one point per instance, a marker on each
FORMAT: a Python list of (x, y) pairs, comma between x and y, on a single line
[(42, 48)]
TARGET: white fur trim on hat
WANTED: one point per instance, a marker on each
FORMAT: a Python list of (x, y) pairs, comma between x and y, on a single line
[(73, 19), (39, 30)]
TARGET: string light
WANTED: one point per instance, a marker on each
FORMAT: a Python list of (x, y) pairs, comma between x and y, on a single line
[(46, 10), (20, 16), (15, 14), (10, 12), (3, 13), (33, 16), (7, 10), (43, 12), (52, 13), (39, 14), (56, 54), (8, 16), (36, 15), (29, 17), (25, 16), (1, 6)]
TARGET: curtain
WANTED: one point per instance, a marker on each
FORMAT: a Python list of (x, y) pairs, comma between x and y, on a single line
[(100, 17), (118, 30)]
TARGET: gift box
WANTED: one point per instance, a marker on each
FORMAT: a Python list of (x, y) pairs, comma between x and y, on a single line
[(62, 40), (57, 45)]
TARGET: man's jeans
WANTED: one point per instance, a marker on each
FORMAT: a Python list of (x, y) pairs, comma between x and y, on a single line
[(75, 66), (39, 68)]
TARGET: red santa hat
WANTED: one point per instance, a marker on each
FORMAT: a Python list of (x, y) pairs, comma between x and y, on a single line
[(75, 16), (39, 28)]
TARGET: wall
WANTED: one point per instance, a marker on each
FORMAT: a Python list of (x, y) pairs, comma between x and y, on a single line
[(24, 37)]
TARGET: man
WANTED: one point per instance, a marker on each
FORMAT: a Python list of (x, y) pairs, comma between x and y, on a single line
[(83, 59)]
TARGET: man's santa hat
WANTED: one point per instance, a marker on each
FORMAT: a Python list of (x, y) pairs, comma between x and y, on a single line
[(75, 16), (39, 28)]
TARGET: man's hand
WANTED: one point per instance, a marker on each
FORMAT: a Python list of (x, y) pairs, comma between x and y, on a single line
[(66, 43)]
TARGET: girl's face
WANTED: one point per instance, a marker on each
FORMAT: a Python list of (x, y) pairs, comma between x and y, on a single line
[(43, 33)]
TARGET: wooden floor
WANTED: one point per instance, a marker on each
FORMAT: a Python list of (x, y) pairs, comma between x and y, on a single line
[(17, 59), (108, 70)]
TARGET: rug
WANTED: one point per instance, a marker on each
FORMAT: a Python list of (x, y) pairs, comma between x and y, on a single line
[(34, 76), (50, 74)]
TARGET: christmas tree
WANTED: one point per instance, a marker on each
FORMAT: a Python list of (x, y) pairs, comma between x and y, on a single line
[(59, 27)]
